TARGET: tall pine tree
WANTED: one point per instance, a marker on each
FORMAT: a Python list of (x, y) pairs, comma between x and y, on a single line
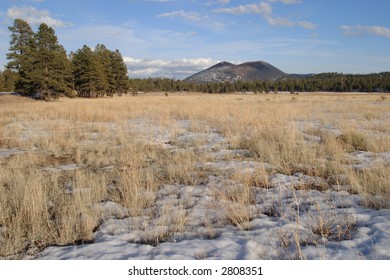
[(52, 73), (103, 56), (119, 71), (22, 48)]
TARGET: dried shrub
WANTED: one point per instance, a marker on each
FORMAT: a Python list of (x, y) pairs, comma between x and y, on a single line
[(354, 141), (334, 228)]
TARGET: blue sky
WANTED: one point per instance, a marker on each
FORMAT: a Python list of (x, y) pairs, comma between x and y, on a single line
[(172, 38)]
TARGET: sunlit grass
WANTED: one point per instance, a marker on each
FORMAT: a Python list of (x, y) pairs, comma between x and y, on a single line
[(41, 207)]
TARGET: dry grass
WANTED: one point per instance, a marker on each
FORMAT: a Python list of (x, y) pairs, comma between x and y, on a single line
[(332, 227), (40, 207), (373, 185), (354, 141)]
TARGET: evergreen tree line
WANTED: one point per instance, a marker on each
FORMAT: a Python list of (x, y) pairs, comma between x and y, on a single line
[(39, 65), (337, 82), (325, 82)]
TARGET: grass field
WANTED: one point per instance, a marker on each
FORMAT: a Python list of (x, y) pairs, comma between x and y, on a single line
[(60, 160)]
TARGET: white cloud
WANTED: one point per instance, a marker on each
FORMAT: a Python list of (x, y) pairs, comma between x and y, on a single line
[(218, 25), (158, 1), (261, 8), (35, 17), (186, 15), (191, 33), (287, 2), (180, 68), (218, 2), (306, 24), (265, 10), (278, 21), (286, 22), (360, 30)]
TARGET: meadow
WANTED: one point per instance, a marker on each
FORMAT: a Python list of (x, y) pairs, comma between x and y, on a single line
[(289, 176)]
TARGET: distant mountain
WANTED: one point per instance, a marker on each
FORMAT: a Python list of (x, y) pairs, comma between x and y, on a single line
[(228, 72)]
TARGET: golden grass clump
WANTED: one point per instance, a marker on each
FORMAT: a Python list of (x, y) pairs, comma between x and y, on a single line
[(354, 141)]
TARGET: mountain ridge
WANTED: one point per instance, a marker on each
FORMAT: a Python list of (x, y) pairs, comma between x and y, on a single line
[(228, 72)]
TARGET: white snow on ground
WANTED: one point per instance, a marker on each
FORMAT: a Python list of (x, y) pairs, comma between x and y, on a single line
[(191, 222), (65, 167), (271, 236), (365, 160), (5, 153)]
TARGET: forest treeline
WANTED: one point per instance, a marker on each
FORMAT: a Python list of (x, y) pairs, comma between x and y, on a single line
[(329, 82), (39, 66), (325, 82)]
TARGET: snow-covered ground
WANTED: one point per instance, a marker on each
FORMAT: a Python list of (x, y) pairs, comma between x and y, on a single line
[(192, 222)]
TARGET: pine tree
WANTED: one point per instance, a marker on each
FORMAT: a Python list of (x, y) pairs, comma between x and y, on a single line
[(88, 72), (21, 49), (2, 87), (104, 58), (52, 71), (7, 80), (119, 70), (115, 70)]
